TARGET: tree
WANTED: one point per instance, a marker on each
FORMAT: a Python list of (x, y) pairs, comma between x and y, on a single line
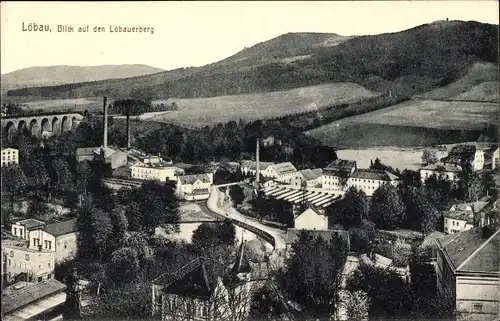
[(14, 183), (237, 195), (62, 178), (387, 209), (420, 213), (386, 290), (124, 265), (351, 210), (356, 305), (82, 177), (313, 273), (209, 235), (102, 230), (429, 157), (401, 253)]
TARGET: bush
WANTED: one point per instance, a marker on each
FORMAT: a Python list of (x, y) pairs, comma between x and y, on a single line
[(401, 253)]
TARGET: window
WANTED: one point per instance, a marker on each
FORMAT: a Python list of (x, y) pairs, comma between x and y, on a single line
[(11, 253), (27, 257), (46, 244), (48, 264), (50, 244), (477, 307), (9, 262), (40, 279), (65, 245), (15, 231)]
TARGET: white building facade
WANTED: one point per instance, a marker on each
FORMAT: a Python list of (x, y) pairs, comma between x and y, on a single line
[(153, 171), (10, 156)]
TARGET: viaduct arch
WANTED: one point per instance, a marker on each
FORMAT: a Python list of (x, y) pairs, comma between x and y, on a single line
[(40, 124)]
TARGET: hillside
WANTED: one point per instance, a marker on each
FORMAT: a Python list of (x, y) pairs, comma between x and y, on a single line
[(408, 62), (56, 75)]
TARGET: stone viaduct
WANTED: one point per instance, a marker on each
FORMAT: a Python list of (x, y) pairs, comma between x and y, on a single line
[(38, 124)]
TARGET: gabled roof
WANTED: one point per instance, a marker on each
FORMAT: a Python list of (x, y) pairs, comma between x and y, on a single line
[(191, 179), (460, 215), (30, 293), (313, 209), (430, 240), (474, 250), (242, 264), (61, 228), (374, 174), (341, 165), (311, 174), (86, 151), (253, 165), (443, 168), (475, 206), (31, 223), (283, 168), (192, 279)]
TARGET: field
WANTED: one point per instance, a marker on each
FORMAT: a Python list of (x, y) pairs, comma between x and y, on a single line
[(400, 158), (48, 105), (416, 122), (209, 111)]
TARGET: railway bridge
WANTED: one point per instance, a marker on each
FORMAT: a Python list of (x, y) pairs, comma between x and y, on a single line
[(38, 124)]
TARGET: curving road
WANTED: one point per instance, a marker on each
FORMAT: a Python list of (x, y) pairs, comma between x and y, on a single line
[(278, 235)]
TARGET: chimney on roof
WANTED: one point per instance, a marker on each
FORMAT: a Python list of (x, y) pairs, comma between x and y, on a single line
[(105, 140)]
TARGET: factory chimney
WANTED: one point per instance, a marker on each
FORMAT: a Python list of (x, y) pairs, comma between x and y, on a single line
[(105, 120), (257, 173)]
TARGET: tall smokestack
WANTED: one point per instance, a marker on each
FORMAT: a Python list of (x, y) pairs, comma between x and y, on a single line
[(128, 130), (105, 142), (257, 158)]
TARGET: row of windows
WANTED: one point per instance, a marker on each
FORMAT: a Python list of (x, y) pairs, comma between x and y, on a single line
[(8, 152), (20, 231), (141, 170), (25, 264)]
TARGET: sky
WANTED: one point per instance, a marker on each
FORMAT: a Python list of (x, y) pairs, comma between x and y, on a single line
[(197, 33)]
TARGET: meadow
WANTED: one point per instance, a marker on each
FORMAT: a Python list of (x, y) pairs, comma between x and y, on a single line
[(210, 111)]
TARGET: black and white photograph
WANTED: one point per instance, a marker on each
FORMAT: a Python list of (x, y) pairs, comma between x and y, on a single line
[(250, 160)]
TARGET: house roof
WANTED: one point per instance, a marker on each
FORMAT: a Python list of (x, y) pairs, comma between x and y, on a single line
[(460, 215), (311, 208), (9, 148), (162, 164), (191, 279), (311, 174), (341, 165), (440, 167), (85, 151), (283, 168), (30, 223), (190, 179), (475, 206), (374, 174), (430, 240), (292, 234), (31, 292), (474, 250), (253, 165), (61, 228)]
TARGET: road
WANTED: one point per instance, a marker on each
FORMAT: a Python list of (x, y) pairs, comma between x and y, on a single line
[(278, 235)]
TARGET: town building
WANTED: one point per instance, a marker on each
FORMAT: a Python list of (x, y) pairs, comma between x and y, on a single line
[(194, 187), (336, 174), (60, 238), (308, 178), (19, 262), (159, 171), (464, 216), (195, 292), (369, 180), (10, 156), (22, 228), (448, 172), (463, 154), (469, 271), (250, 167), (282, 172), (85, 154), (33, 301)]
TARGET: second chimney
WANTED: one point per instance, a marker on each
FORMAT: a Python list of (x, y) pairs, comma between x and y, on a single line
[(105, 140)]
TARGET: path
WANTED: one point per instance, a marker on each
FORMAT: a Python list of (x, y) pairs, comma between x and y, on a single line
[(278, 235)]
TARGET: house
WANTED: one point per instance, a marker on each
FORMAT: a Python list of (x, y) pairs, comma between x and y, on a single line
[(282, 172), (159, 171), (464, 216), (335, 175), (463, 153), (138, 156), (194, 187), (10, 156), (250, 167), (19, 262), (449, 172), (60, 238), (85, 154), (112, 156), (369, 180), (311, 219), (33, 301), (458, 221), (195, 292), (22, 228), (469, 271), (308, 177)]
